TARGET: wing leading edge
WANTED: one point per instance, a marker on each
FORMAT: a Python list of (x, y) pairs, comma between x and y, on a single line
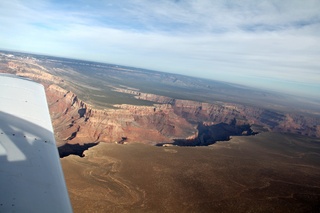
[(31, 177)]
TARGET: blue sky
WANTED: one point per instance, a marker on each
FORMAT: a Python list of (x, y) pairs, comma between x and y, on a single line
[(267, 44)]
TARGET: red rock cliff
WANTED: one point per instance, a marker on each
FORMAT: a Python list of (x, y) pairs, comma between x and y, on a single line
[(77, 122)]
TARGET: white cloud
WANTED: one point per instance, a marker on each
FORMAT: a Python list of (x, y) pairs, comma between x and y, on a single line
[(227, 40)]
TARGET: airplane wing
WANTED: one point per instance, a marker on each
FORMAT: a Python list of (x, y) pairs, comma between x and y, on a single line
[(31, 178)]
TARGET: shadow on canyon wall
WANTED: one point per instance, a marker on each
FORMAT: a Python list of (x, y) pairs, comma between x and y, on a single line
[(210, 134), (207, 135), (74, 149)]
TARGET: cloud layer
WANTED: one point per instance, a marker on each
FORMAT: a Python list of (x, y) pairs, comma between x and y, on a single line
[(270, 44)]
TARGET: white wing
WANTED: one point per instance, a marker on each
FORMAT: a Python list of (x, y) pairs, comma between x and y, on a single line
[(31, 178)]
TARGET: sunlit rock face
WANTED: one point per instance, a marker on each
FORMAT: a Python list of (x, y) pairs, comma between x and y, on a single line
[(167, 121), (226, 112), (270, 171), (77, 122)]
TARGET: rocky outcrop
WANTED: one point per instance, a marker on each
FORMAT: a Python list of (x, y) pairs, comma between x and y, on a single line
[(146, 96), (156, 98), (77, 122), (170, 119), (32, 70), (208, 134), (196, 112)]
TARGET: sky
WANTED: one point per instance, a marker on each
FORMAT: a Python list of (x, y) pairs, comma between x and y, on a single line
[(272, 44)]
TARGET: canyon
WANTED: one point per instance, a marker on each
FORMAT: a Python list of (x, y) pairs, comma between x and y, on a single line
[(165, 120), (132, 140), (168, 120)]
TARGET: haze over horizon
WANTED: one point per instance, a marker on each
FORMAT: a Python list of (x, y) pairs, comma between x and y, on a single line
[(266, 44)]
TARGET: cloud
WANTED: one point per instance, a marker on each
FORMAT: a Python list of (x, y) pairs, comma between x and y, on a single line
[(250, 42)]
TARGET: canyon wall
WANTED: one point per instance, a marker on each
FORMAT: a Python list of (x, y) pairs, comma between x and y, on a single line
[(170, 119), (225, 112), (78, 122)]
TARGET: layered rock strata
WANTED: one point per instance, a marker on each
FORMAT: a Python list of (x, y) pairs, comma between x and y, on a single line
[(170, 119), (78, 122)]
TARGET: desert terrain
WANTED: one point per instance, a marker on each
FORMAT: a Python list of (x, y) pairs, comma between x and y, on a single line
[(135, 140), (269, 172)]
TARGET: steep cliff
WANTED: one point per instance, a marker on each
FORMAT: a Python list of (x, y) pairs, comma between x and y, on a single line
[(225, 112), (75, 121)]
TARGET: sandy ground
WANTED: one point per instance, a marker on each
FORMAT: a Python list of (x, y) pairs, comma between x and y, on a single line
[(268, 172)]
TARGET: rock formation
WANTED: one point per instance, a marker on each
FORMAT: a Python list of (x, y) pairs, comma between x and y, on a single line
[(76, 122)]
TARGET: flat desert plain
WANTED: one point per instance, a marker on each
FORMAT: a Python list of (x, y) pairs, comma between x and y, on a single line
[(268, 172)]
